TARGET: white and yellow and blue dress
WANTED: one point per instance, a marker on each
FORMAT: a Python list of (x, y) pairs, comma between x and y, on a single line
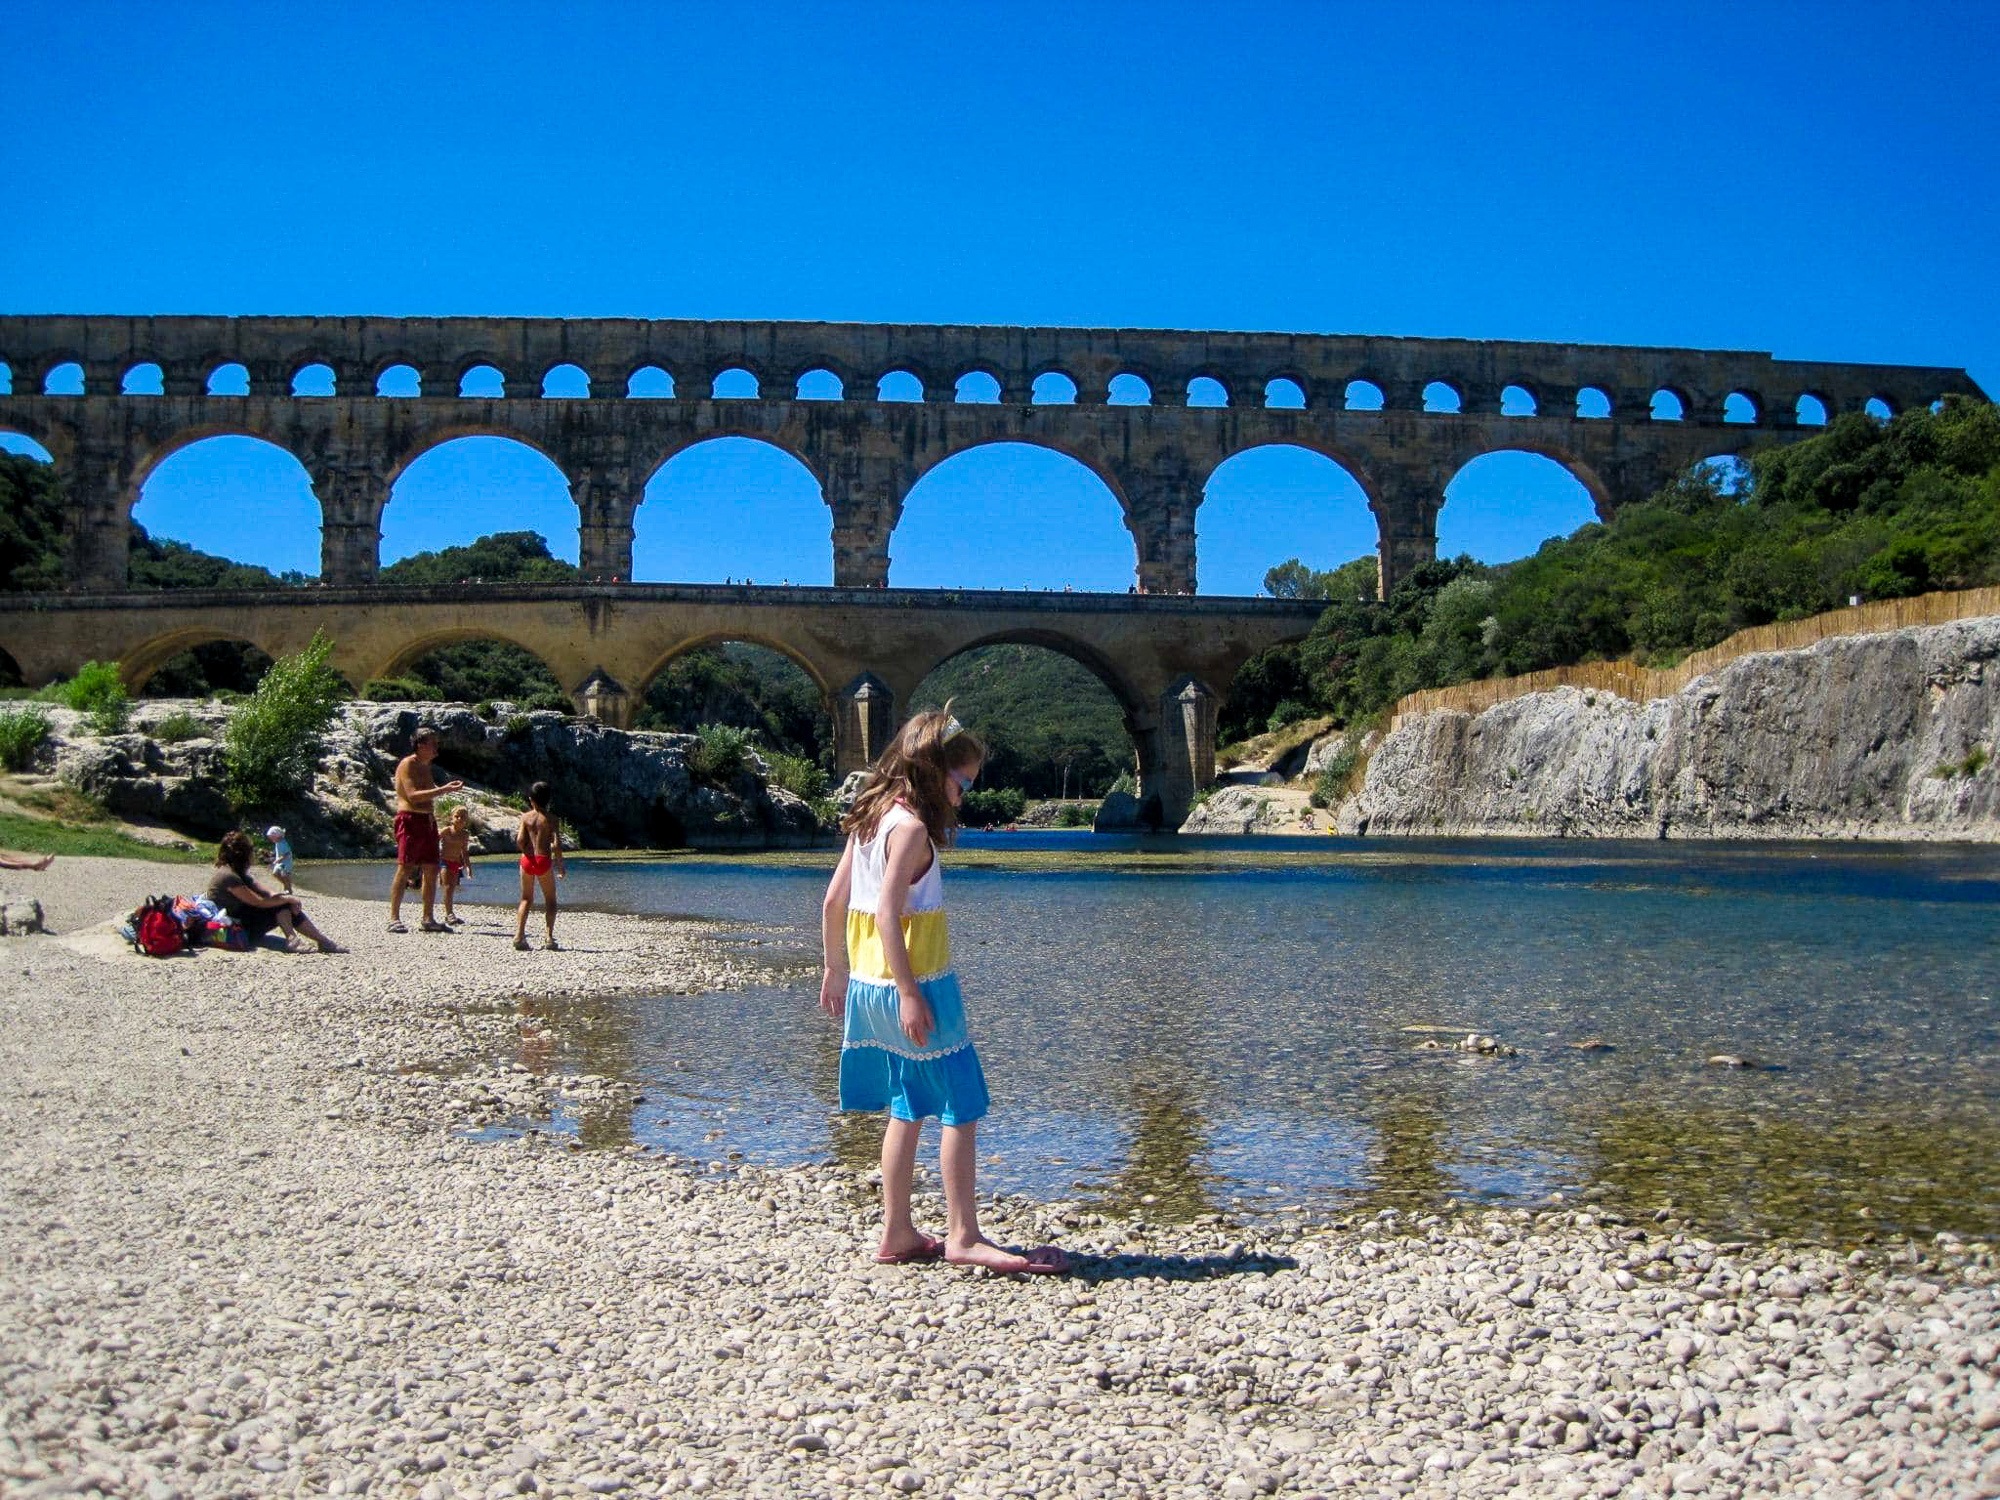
[(879, 1066)]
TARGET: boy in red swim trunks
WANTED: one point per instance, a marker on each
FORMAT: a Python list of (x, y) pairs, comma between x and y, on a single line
[(417, 830), (540, 843)]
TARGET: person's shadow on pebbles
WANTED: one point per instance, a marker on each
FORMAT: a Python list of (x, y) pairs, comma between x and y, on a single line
[(506, 935), (1167, 1267)]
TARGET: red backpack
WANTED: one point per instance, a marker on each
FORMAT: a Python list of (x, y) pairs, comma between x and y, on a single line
[(156, 930)]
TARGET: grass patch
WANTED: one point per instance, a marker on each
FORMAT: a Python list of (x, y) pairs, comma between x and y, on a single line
[(179, 726), (62, 803), (1263, 749), (47, 836)]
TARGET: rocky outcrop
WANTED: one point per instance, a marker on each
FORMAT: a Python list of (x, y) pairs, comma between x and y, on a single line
[(1869, 736), (617, 789), (1328, 748), (1256, 809)]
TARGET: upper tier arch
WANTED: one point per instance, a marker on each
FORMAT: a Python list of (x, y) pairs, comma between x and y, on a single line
[(867, 452)]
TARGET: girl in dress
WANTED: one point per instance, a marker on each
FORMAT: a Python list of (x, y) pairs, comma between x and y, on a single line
[(906, 1047)]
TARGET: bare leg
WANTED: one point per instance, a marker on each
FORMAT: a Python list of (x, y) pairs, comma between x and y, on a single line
[(549, 905), (430, 894), (285, 918), (521, 912), (450, 890), (305, 925), (964, 1244), (899, 1167), (396, 888)]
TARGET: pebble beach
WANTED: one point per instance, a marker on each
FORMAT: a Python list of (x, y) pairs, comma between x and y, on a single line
[(252, 1247)]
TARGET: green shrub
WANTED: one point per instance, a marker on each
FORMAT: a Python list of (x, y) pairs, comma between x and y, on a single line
[(22, 731), (551, 702), (519, 726), (178, 726), (1126, 783), (989, 807), (797, 775), (397, 690), (1336, 777), (718, 754), (98, 691), (274, 741), (1287, 713), (1075, 815), (1975, 761)]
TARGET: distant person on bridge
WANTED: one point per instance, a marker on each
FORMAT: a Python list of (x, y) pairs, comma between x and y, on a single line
[(417, 830), (906, 1046)]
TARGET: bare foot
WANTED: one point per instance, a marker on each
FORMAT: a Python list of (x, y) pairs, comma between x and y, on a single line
[(1046, 1260), (917, 1249)]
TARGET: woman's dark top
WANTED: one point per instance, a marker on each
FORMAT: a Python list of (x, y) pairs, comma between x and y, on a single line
[(256, 920)]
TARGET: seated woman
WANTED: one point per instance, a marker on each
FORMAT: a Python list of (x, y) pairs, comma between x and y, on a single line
[(232, 889)]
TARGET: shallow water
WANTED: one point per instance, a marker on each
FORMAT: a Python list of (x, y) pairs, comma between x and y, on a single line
[(1194, 1025)]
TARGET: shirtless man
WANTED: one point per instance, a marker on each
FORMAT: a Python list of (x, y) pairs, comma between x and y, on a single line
[(417, 830)]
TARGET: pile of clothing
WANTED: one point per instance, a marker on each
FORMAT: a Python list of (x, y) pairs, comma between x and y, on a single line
[(203, 925)]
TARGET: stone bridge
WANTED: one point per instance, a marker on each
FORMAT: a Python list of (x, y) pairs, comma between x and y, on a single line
[(1166, 660), (869, 408)]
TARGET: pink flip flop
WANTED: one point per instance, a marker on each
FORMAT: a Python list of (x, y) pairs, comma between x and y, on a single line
[(1044, 1260), (925, 1253)]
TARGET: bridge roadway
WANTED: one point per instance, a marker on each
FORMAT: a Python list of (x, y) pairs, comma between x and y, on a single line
[(1168, 660)]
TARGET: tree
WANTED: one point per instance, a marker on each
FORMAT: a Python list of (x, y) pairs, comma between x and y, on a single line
[(750, 687), (274, 741), (1031, 705), (1875, 509), (1292, 579), (502, 557), (31, 526)]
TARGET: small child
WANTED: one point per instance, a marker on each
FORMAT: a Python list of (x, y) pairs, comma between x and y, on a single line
[(455, 855), (281, 855), (541, 860)]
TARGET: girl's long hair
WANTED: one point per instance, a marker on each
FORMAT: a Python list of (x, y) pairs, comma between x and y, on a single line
[(913, 770)]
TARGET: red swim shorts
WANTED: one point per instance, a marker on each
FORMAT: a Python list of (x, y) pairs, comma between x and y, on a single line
[(537, 864), (416, 838)]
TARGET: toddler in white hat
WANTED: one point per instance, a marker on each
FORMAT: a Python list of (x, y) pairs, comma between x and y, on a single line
[(281, 855)]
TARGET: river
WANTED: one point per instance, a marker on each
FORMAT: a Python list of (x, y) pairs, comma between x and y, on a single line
[(1191, 1025)]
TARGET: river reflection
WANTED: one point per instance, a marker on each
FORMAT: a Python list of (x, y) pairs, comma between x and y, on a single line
[(1196, 1026)]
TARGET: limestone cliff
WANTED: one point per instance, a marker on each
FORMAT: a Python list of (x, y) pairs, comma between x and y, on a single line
[(1873, 736)]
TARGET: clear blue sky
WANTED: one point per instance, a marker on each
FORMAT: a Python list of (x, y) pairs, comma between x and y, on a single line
[(1816, 180)]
